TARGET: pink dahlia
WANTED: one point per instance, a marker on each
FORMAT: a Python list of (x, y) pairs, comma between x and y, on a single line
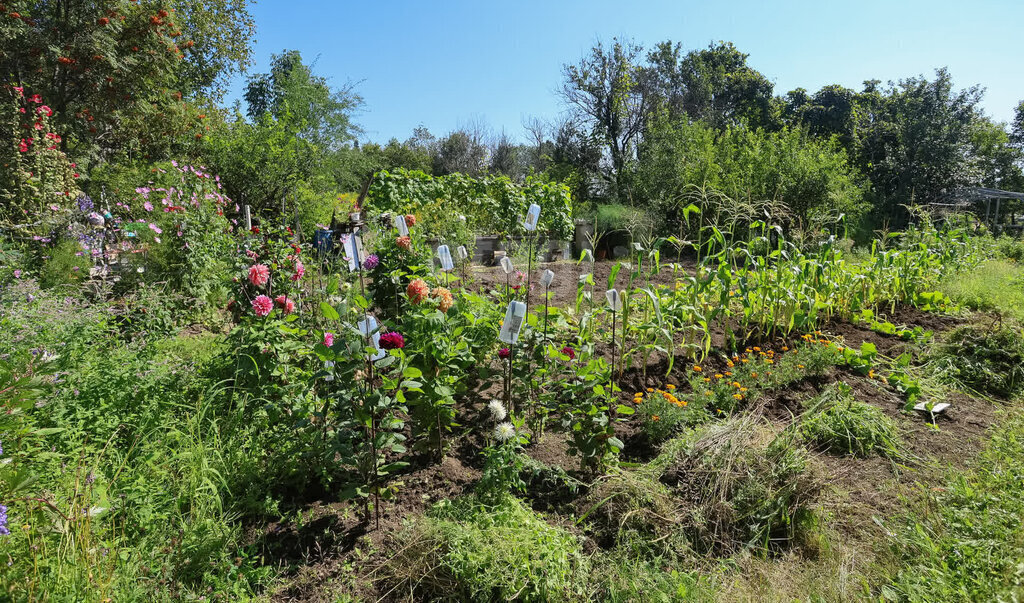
[(299, 270), (259, 275), (262, 305), (392, 340), (283, 302), (328, 339)]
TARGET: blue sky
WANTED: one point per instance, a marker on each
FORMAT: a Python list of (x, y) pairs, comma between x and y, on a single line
[(443, 64)]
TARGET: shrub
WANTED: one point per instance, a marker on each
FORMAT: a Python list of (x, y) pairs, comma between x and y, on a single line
[(64, 264), (464, 550), (836, 422), (989, 360)]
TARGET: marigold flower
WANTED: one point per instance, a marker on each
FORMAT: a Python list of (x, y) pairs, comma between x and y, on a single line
[(650, 390), (697, 369), (738, 396), (655, 418), (670, 386), (259, 275), (404, 242), (417, 290), (718, 375), (262, 305)]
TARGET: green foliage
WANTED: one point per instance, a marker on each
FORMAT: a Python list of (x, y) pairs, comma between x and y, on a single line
[(988, 359), (836, 422), (465, 550), (963, 542), (65, 265), (810, 179), (490, 205), (994, 286)]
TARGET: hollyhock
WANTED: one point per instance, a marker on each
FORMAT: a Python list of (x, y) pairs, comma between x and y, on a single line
[(417, 290), (328, 339), (299, 270), (504, 353), (371, 261), (262, 305), (392, 340), (404, 242), (259, 275)]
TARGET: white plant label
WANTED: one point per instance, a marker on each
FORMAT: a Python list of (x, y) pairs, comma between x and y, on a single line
[(462, 253), (368, 327), (353, 251), (514, 316), (506, 265), (547, 278), (638, 247), (446, 258), (614, 300), (532, 216), (403, 228)]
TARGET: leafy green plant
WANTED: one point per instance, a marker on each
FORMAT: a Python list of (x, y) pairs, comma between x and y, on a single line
[(989, 359)]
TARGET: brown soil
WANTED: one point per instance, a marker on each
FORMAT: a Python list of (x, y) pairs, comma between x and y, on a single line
[(333, 546)]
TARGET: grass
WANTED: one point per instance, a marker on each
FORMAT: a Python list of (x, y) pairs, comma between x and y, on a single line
[(965, 541), (988, 359), (995, 286), (836, 422), (464, 550)]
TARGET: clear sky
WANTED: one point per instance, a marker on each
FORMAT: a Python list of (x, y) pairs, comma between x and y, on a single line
[(445, 63)]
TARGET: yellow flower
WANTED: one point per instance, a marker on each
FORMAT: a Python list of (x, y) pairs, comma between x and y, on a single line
[(718, 375), (744, 360), (707, 379), (728, 374), (785, 349), (800, 366), (697, 369), (743, 389), (670, 386), (729, 364), (757, 349), (754, 375), (655, 418), (738, 396), (736, 384), (871, 374), (650, 390)]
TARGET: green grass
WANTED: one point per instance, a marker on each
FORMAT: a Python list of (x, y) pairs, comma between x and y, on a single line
[(837, 423), (464, 550), (965, 541), (994, 286)]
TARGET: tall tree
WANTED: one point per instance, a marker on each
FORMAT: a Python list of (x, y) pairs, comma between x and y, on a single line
[(720, 88), (604, 91), (124, 76)]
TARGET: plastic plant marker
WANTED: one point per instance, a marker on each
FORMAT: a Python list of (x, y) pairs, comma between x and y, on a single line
[(547, 278), (461, 252), (938, 408), (514, 316), (353, 252), (614, 300), (506, 265), (403, 228), (446, 258), (532, 216)]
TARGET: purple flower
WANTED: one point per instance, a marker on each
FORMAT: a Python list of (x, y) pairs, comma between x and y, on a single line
[(392, 340), (148, 206), (371, 261), (4, 530), (17, 274), (85, 204)]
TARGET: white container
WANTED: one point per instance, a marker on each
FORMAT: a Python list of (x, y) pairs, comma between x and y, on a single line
[(547, 278), (514, 316), (614, 300), (446, 258), (532, 217)]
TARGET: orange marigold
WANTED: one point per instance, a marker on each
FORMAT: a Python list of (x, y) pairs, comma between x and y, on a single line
[(417, 290)]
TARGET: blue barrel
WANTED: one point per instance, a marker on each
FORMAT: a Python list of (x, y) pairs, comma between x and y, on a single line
[(323, 242)]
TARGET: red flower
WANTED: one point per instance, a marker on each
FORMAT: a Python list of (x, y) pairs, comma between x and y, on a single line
[(392, 340), (571, 353), (35, 98), (410, 220), (284, 302), (255, 230), (103, 21), (45, 109), (504, 353), (20, 90), (23, 147), (162, 13)]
